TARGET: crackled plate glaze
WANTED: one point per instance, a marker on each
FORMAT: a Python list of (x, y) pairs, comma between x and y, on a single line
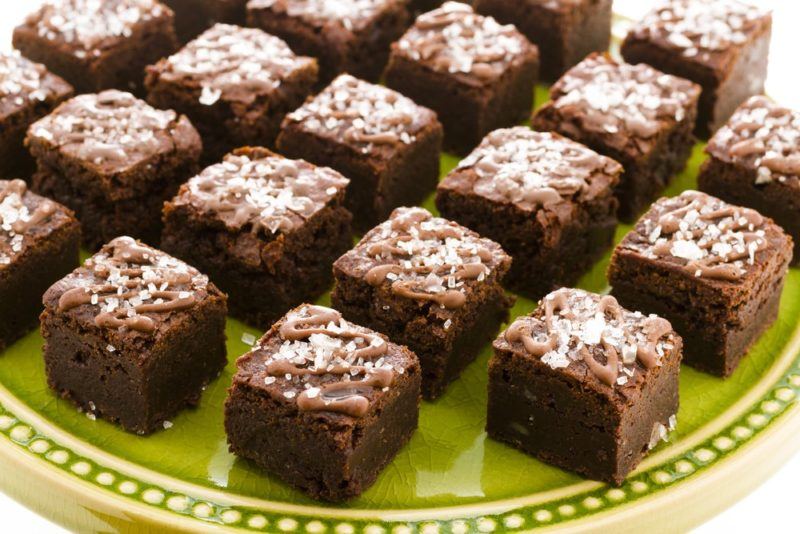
[(89, 475)]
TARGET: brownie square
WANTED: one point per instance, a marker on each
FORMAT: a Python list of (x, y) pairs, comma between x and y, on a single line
[(322, 403), (28, 91), (97, 45), (266, 229), (634, 114), (547, 200), (133, 335), (193, 17), (235, 84), (723, 45), (350, 36), (429, 284), (566, 31), (714, 270), (382, 141), (114, 160), (39, 242), (754, 161), (476, 74), (584, 384)]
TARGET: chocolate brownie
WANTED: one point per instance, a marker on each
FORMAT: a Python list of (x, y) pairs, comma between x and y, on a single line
[(714, 270), (133, 335), (723, 45), (546, 199), (634, 114), (28, 91), (266, 229), (350, 36), (193, 17), (114, 160), (584, 384), (39, 242), (476, 74), (382, 141), (235, 84), (429, 284), (322, 403), (566, 31), (98, 45), (755, 162)]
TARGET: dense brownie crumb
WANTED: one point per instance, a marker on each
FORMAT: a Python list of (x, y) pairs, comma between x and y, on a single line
[(28, 91), (193, 17), (322, 403), (477, 74), (723, 45), (388, 146), (265, 228), (427, 283), (133, 335), (755, 162), (39, 242), (98, 45), (581, 370), (634, 114), (715, 270), (114, 160), (546, 199), (235, 84)]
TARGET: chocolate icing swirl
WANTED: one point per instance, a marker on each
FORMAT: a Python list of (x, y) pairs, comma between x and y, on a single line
[(427, 258), (19, 213), (318, 342), (127, 283), (574, 326)]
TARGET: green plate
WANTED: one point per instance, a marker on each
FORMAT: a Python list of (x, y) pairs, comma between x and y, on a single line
[(89, 475)]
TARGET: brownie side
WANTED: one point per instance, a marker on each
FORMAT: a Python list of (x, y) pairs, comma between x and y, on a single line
[(565, 33), (193, 17), (327, 456), (738, 185), (262, 277), (52, 252)]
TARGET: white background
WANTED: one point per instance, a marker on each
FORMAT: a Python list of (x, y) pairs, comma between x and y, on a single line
[(774, 504)]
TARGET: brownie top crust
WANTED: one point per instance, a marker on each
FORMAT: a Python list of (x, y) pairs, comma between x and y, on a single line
[(454, 39), (24, 82), (628, 105), (24, 217), (368, 117), (705, 237), (261, 191), (87, 27), (764, 137), (129, 286), (592, 338), (314, 359), (112, 131), (533, 170), (232, 63), (425, 258), (704, 31), (351, 15)]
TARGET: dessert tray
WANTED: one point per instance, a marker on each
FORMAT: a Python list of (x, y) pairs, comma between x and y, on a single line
[(88, 474)]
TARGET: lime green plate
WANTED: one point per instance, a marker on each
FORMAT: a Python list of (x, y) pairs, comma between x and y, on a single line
[(89, 475)]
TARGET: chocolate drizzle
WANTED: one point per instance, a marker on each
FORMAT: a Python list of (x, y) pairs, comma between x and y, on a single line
[(762, 136), (259, 189), (128, 283), (710, 238), (573, 325), (533, 169), (318, 343), (456, 40), (19, 213), (426, 258)]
